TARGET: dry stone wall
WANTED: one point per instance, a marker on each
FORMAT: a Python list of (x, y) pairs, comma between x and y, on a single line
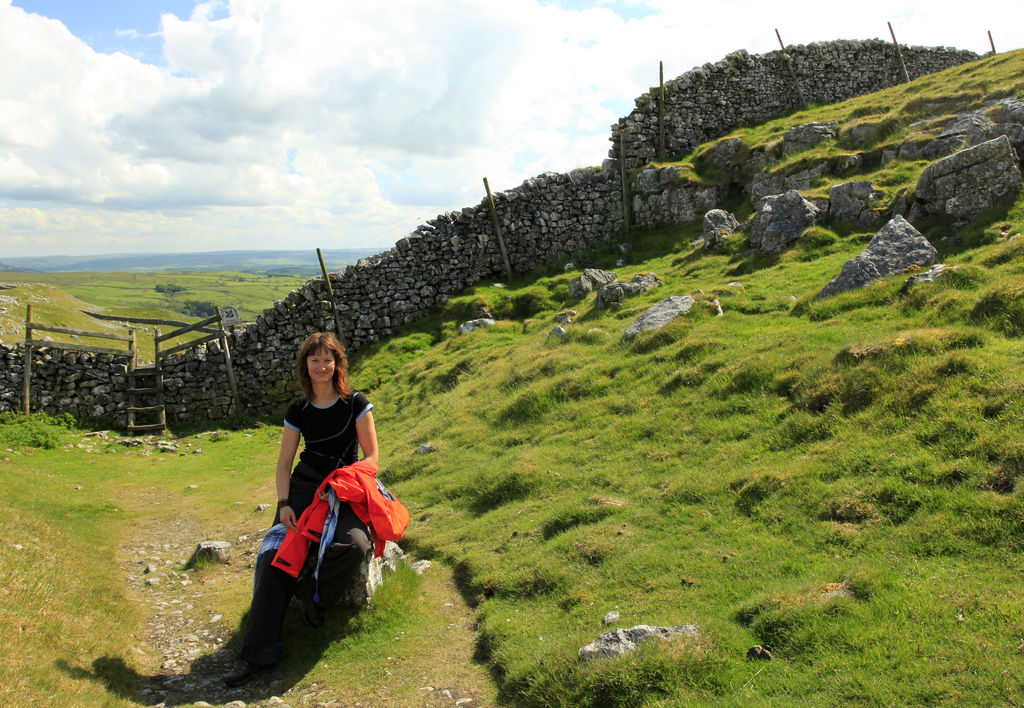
[(709, 101), (550, 215)]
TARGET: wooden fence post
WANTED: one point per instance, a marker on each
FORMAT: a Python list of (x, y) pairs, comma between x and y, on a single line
[(792, 70), (899, 54), (330, 294), (661, 110), (235, 403), (27, 372), (497, 231)]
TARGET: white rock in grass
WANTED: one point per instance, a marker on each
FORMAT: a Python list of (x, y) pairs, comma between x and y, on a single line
[(467, 327), (660, 314), (611, 617), (219, 551), (622, 641)]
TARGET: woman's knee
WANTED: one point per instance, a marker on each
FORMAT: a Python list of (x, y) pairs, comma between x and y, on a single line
[(355, 540)]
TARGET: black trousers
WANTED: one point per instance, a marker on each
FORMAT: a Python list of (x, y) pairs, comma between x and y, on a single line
[(273, 588)]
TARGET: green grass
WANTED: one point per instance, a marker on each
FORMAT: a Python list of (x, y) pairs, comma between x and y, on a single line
[(837, 480)]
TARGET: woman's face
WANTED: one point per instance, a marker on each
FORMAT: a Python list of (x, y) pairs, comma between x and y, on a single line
[(320, 365)]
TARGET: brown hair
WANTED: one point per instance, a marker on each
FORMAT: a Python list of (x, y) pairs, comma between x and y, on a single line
[(323, 342)]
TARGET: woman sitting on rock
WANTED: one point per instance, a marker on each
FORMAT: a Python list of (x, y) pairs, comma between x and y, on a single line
[(335, 422)]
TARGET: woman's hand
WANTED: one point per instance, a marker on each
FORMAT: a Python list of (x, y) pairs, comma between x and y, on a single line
[(287, 516)]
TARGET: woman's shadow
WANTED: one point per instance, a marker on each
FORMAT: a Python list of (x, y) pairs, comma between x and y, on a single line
[(303, 647)]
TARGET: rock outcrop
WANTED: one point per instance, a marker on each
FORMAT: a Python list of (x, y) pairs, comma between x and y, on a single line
[(780, 220), (850, 203), (895, 248), (591, 279), (718, 226), (659, 315), (970, 182), (613, 294), (622, 641)]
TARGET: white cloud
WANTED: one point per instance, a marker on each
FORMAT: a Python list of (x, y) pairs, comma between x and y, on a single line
[(391, 112)]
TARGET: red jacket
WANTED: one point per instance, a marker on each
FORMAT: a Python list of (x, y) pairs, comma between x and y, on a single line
[(357, 485)]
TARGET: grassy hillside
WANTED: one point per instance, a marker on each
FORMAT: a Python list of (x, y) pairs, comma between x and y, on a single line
[(836, 480), (60, 299)]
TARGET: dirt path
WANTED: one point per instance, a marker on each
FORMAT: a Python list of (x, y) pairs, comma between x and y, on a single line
[(186, 640)]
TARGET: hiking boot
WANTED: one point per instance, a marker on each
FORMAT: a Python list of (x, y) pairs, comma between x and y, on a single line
[(241, 673)]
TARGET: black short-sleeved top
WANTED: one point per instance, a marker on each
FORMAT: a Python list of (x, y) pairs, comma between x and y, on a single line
[(329, 433)]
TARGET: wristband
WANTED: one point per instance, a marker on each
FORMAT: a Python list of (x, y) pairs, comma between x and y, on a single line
[(282, 502)]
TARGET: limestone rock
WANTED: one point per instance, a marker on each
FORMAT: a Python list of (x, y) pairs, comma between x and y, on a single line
[(613, 294), (218, 551), (970, 182), (718, 226), (726, 154), (928, 276), (359, 591), (764, 185), (660, 314), (590, 280), (467, 327), (780, 220), (896, 247), (802, 137), (850, 203), (622, 641)]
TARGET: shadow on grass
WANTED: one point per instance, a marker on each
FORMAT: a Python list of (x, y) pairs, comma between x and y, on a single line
[(203, 679)]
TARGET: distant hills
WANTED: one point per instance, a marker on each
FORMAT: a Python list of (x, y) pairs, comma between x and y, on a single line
[(269, 262), (6, 268)]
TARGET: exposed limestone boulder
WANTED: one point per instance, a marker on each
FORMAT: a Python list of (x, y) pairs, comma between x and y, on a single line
[(762, 185), (896, 247), (728, 154), (970, 182), (359, 591), (1011, 111), (780, 220), (850, 203), (928, 276), (660, 314), (968, 129), (865, 133), (622, 641), (613, 294), (718, 226), (591, 279), (1014, 132), (467, 327), (802, 137), (215, 551)]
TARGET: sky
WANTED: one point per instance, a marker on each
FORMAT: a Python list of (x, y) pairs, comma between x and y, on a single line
[(178, 126)]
